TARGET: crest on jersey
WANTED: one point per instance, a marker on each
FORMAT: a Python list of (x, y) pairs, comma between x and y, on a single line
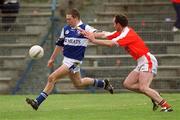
[(67, 32)]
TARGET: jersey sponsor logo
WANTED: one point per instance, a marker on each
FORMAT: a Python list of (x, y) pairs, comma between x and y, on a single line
[(72, 41), (76, 41)]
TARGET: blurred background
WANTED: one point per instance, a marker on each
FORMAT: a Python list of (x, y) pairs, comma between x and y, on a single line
[(24, 23)]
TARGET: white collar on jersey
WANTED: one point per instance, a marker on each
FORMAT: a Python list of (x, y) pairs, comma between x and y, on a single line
[(80, 23)]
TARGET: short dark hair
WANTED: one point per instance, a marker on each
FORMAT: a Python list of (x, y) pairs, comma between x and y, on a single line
[(74, 12), (122, 20)]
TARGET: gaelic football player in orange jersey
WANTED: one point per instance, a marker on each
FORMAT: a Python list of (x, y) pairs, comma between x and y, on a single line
[(140, 78)]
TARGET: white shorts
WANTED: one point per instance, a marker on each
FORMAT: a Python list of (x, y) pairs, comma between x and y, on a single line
[(147, 63), (72, 64)]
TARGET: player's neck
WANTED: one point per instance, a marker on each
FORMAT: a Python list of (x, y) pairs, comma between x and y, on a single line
[(77, 22), (120, 29)]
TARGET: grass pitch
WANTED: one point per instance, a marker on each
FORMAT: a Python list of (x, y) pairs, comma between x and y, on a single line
[(122, 106)]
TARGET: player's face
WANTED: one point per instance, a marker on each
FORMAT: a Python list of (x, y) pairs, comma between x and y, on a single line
[(70, 20), (117, 26)]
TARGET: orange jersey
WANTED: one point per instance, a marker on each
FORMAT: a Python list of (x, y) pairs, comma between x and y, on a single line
[(175, 1), (131, 41)]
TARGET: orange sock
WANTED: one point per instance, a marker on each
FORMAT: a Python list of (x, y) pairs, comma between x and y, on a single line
[(164, 104)]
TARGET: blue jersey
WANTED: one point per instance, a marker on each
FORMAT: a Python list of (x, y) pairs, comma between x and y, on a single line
[(74, 44)]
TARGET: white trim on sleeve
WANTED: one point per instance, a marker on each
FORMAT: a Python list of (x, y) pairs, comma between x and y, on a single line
[(122, 35), (62, 33), (90, 28)]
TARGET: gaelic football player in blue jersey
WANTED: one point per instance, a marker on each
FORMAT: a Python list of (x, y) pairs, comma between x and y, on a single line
[(73, 46)]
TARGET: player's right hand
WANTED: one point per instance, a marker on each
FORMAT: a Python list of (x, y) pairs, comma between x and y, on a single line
[(83, 32), (87, 34), (90, 36), (50, 63)]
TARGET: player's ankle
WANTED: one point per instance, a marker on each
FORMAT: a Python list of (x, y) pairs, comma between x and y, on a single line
[(164, 104)]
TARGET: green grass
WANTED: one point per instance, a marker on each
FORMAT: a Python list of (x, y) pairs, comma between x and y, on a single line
[(123, 106)]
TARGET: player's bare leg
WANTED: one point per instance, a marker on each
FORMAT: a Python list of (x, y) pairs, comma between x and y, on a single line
[(78, 81), (52, 79), (145, 79), (83, 82), (132, 83)]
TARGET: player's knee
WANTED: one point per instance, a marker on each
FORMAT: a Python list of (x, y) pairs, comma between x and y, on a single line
[(126, 84), (51, 79), (143, 89)]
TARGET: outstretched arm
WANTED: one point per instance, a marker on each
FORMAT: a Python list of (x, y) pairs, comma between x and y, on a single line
[(92, 39), (91, 36), (97, 34), (102, 34)]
